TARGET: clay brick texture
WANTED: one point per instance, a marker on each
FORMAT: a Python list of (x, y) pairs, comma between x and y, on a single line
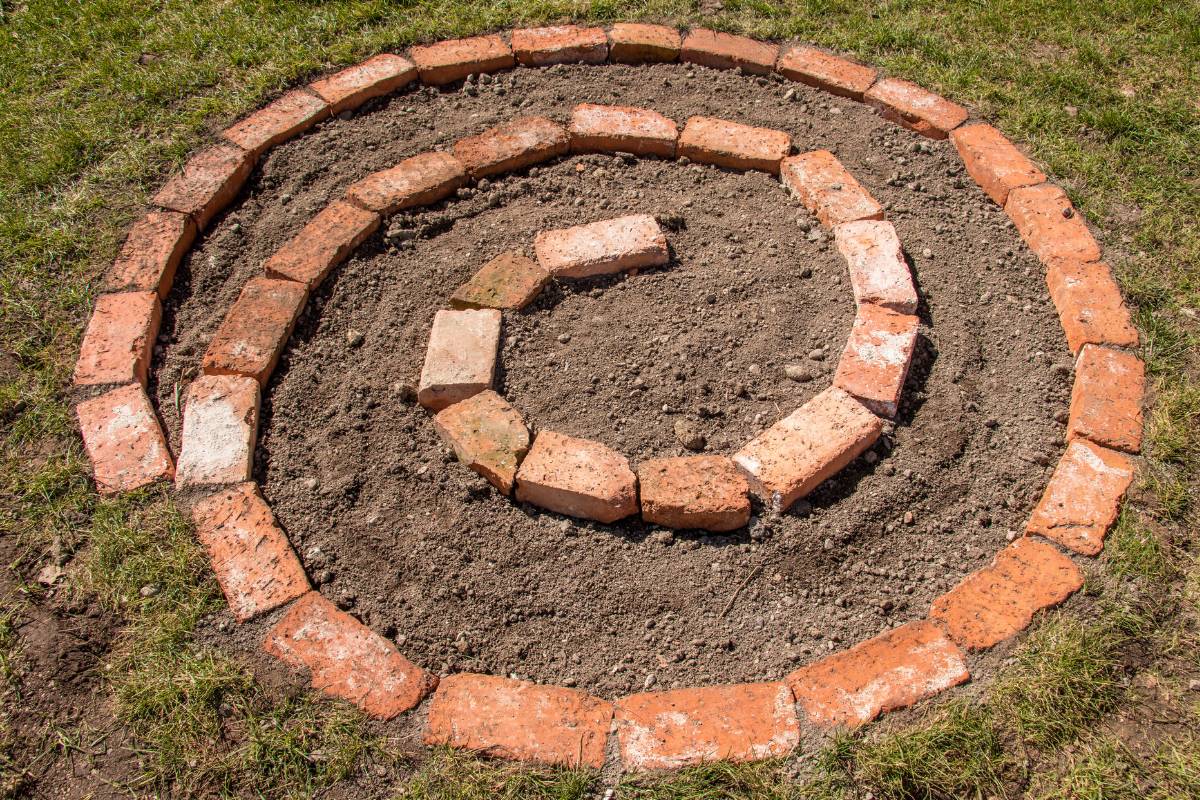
[(120, 335), (993, 161), (512, 145), (446, 62), (209, 182), (730, 144), (220, 423), (417, 181), (1106, 400), (295, 112), (488, 435), (559, 44), (1083, 497), (631, 43), (326, 241), (826, 71), (151, 253), (461, 358), (915, 108), (622, 129), (875, 362), (577, 477), (124, 441), (1050, 225), (878, 271), (602, 248), (1089, 304), (256, 329), (727, 51), (706, 492), (375, 77), (827, 189), (510, 280)]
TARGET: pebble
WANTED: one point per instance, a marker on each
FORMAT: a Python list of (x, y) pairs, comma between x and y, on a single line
[(355, 338), (563, 338), (689, 436), (149, 590), (797, 373), (817, 355)]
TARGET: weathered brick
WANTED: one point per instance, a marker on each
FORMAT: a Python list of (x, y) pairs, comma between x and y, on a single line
[(730, 144), (510, 280), (326, 241), (707, 492), (120, 335), (488, 435), (893, 670), (826, 71), (220, 423), (209, 182), (1089, 304), (993, 161), (577, 477), (915, 108), (1106, 400), (632, 43), (375, 77), (519, 720), (796, 454), (124, 440), (875, 361), (151, 253), (878, 271), (827, 189), (1050, 225), (346, 659), (293, 113), (602, 248), (417, 181), (727, 51), (256, 329), (739, 722), (998, 601), (250, 555), (461, 358), (452, 60), (622, 129), (1083, 496), (559, 44), (513, 145)]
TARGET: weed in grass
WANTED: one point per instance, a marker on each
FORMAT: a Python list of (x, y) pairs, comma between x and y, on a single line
[(1107, 770), (454, 775), (763, 780), (1133, 550)]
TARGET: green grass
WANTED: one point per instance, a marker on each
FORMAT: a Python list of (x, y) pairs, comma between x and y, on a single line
[(451, 775)]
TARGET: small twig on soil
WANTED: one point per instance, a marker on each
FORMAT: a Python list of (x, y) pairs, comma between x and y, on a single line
[(738, 590)]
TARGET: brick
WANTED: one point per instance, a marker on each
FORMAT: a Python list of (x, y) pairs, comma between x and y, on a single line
[(220, 423), (878, 272), (1083, 496), (826, 71), (730, 144), (453, 60), (814, 442), (124, 440), (993, 161), (827, 189), (739, 722), (461, 358), (375, 77), (519, 720), (602, 248), (915, 108), (151, 253), (250, 555), (120, 335), (632, 43), (326, 241), (998, 601), (1089, 304), (706, 492), (488, 435), (622, 129), (346, 659), (559, 44), (893, 670), (510, 280), (210, 180), (417, 181), (727, 51), (1050, 225), (256, 329), (577, 477), (513, 145), (1106, 400), (875, 362), (293, 113)]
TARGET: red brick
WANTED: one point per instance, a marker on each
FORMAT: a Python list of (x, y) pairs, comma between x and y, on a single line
[(893, 670), (915, 108), (623, 129), (878, 272), (250, 555), (346, 659), (375, 77), (326, 241), (726, 51), (123, 440), (461, 358), (294, 113), (1089, 304), (875, 362), (417, 181), (1000, 600), (740, 722), (827, 189), (798, 453), (488, 435), (220, 423), (826, 71), (577, 477), (1106, 400), (513, 145), (510, 280), (152, 251), (453, 60), (210, 180), (256, 329), (631, 43), (559, 44), (993, 161), (730, 144), (120, 336), (519, 720), (707, 492), (1050, 225), (602, 248), (1082, 499)]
